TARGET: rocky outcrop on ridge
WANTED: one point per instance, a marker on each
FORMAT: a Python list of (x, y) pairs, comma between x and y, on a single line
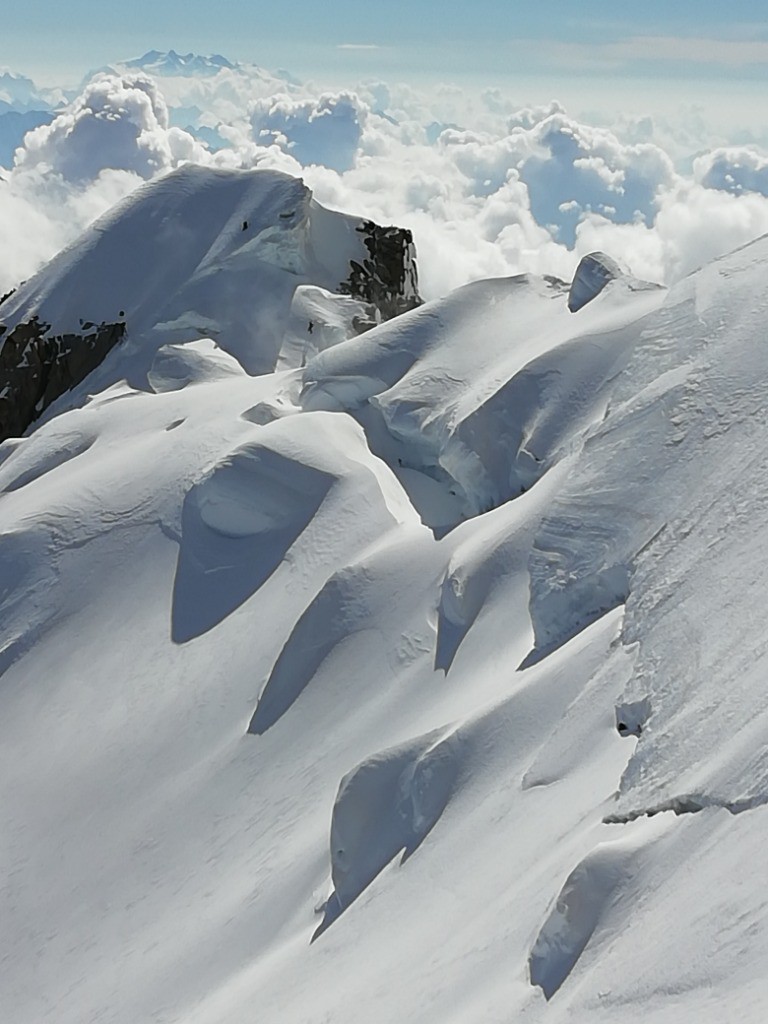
[(387, 277), (37, 366)]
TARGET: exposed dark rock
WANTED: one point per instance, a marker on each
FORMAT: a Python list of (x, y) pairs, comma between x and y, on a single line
[(387, 278), (3, 298), (42, 356), (556, 283), (37, 366)]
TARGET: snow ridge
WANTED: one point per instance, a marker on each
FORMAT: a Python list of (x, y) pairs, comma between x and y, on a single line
[(189, 256), (332, 657)]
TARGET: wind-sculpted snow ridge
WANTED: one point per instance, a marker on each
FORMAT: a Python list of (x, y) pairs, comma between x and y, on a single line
[(594, 272), (485, 418), (198, 253), (592, 275), (240, 521), (390, 802), (385, 664)]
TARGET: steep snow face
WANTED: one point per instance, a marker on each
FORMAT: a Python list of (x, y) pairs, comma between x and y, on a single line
[(267, 740), (199, 253)]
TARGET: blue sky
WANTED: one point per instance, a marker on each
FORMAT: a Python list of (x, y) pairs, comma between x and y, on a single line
[(419, 38)]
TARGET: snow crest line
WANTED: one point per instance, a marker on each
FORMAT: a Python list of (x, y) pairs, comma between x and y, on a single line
[(689, 804)]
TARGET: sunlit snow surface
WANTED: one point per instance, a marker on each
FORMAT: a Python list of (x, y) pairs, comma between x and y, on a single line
[(335, 653)]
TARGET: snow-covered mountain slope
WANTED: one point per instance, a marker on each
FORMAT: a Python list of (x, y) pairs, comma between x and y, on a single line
[(197, 253), (17, 92), (347, 691), (170, 64)]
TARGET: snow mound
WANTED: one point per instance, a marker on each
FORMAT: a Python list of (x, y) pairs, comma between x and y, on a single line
[(239, 523), (385, 806), (593, 273), (197, 362), (584, 907), (30, 463), (237, 526)]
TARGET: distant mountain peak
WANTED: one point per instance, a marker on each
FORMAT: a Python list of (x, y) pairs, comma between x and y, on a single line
[(172, 63), (17, 92)]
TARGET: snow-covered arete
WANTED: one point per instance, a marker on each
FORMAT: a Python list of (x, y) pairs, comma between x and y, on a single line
[(197, 253)]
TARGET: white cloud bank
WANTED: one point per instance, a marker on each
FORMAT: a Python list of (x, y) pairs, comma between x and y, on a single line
[(488, 189), (323, 131), (118, 123), (115, 135), (738, 170)]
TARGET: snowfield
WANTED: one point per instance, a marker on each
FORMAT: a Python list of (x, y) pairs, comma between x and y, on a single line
[(412, 675)]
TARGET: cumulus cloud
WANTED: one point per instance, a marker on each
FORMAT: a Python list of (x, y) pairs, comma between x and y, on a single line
[(693, 225), (487, 190), (118, 123), (541, 193), (28, 236), (569, 169), (324, 131), (481, 203), (226, 96), (529, 117), (733, 169), (114, 135), (459, 235), (697, 224)]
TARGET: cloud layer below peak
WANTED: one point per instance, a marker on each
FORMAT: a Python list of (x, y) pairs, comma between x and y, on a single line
[(488, 187)]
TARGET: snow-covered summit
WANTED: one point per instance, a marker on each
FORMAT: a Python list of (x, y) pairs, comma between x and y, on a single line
[(198, 253), (19, 93), (170, 63)]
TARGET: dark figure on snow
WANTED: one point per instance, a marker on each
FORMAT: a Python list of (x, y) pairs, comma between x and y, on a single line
[(245, 225), (311, 327)]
